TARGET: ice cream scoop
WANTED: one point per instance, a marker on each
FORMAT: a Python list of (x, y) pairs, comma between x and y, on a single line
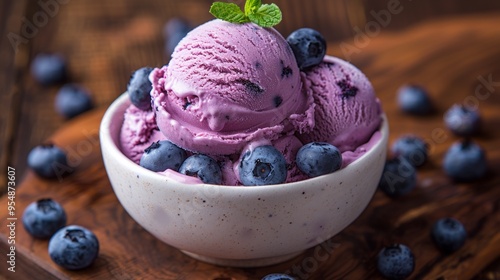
[(227, 85), (231, 88)]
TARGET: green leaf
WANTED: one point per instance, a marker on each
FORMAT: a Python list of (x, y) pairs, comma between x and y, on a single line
[(251, 6), (267, 15), (228, 12)]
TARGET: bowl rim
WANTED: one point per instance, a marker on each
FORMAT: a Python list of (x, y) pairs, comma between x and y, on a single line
[(120, 104)]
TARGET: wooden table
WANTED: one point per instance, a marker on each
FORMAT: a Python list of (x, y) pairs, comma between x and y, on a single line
[(457, 59)]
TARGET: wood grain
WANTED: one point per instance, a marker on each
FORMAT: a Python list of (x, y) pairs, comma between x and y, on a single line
[(448, 57), (10, 98)]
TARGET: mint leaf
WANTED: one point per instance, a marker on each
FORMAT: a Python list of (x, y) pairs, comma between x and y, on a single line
[(267, 15), (228, 12), (251, 6)]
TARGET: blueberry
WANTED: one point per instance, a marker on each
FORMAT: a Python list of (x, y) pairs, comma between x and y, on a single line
[(395, 261), (162, 155), (277, 276), (318, 158), (465, 161), (72, 100), (139, 88), (412, 148), (264, 165), (175, 30), (462, 120), (48, 161), (308, 46), (399, 177), (49, 69), (172, 41), (73, 247), (203, 167), (448, 234), (414, 100), (43, 218)]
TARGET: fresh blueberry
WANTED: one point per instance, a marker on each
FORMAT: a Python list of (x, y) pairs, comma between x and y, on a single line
[(72, 100), (465, 161), (49, 69), (396, 261), (414, 100), (139, 88), (412, 148), (308, 46), (264, 165), (318, 158), (278, 276), (162, 155), (73, 247), (43, 218), (203, 167), (462, 120), (399, 177), (175, 30), (48, 161), (449, 234)]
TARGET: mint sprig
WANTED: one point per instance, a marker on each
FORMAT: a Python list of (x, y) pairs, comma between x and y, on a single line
[(265, 15)]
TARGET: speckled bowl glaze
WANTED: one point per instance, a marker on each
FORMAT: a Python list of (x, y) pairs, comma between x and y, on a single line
[(239, 226)]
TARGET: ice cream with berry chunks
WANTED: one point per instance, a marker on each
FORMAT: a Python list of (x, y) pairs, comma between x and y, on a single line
[(232, 88), (347, 111), (227, 85)]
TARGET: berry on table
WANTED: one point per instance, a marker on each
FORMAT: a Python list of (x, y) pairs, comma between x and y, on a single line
[(308, 46), (395, 261), (412, 148), (175, 29), (43, 218), (162, 155), (448, 234), (462, 120), (414, 100), (139, 88), (465, 161), (49, 69), (203, 167), (318, 158), (48, 161), (72, 100), (399, 177), (264, 165), (73, 247)]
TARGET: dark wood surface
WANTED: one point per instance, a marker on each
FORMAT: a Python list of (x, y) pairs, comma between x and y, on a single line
[(448, 56)]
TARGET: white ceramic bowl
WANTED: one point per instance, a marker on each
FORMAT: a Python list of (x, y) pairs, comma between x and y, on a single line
[(239, 226)]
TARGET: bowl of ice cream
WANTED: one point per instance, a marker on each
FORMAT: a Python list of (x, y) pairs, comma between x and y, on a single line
[(222, 96)]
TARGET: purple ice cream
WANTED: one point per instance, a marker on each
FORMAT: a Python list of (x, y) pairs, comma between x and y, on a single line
[(347, 111), (227, 85), (230, 87)]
